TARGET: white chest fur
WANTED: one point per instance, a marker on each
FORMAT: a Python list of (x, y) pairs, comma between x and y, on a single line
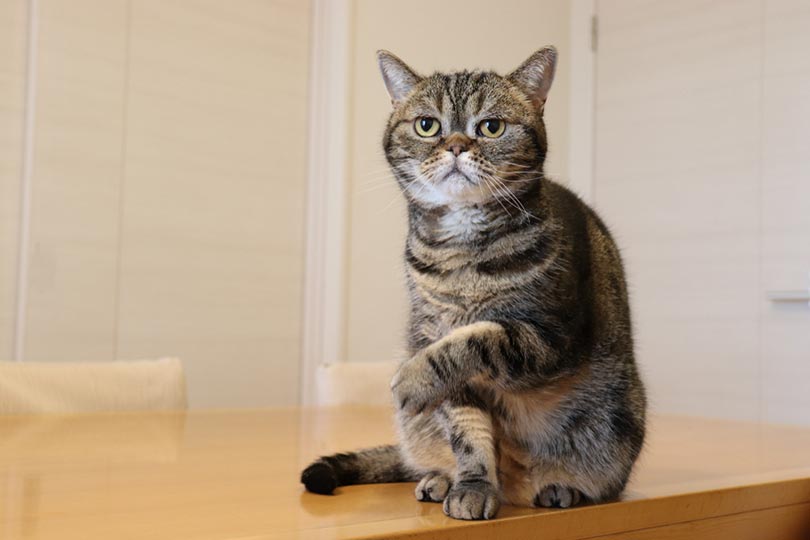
[(463, 222)]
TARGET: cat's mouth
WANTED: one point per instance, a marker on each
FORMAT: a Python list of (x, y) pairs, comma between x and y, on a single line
[(456, 174)]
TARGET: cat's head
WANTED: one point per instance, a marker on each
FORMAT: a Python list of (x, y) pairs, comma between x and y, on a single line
[(467, 137)]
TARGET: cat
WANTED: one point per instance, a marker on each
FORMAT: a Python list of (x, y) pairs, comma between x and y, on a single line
[(521, 385)]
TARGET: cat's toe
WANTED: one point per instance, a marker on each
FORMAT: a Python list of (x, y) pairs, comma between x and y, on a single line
[(557, 496), (433, 487), (472, 500), (320, 477)]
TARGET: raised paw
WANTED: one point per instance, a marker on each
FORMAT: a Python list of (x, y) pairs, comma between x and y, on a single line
[(415, 386), (472, 500), (432, 487), (557, 496)]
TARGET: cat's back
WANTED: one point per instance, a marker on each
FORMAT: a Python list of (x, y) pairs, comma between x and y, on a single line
[(591, 241)]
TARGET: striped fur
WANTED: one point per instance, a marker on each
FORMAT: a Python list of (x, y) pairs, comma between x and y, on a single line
[(521, 384)]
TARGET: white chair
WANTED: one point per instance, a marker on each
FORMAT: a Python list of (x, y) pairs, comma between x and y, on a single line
[(354, 383), (80, 387)]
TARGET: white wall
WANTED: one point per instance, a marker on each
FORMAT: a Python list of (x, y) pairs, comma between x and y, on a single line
[(430, 36), (168, 185), (702, 130)]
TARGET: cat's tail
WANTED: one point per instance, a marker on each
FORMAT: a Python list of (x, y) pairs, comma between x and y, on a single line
[(378, 465)]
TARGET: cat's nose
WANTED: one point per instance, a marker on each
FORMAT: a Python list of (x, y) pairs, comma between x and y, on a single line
[(457, 143), (457, 149)]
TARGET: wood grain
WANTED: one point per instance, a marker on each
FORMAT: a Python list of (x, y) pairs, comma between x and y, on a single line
[(234, 475), (781, 523)]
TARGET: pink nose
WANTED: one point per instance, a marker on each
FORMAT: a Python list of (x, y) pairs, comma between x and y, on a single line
[(457, 143), (457, 149)]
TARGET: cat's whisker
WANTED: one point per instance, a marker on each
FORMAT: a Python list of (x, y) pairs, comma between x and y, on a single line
[(511, 198), (492, 192), (424, 181)]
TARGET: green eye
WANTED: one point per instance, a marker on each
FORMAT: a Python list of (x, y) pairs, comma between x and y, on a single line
[(491, 128), (427, 127)]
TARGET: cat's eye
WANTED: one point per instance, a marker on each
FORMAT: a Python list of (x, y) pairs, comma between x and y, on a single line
[(427, 127), (491, 127)]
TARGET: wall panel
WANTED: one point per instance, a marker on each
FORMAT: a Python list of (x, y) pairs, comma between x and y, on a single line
[(13, 36), (212, 242), (786, 210), (78, 135), (677, 180)]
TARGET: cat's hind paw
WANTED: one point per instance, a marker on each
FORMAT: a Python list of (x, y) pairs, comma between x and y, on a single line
[(557, 496), (433, 487)]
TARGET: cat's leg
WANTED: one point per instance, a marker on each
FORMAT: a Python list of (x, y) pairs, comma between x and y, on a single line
[(540, 485), (588, 461), (426, 450), (474, 493), (572, 441)]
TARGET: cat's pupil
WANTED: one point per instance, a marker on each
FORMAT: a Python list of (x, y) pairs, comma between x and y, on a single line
[(427, 123), (493, 126)]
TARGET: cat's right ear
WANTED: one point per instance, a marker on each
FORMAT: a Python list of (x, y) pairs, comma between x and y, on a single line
[(535, 75), (399, 79)]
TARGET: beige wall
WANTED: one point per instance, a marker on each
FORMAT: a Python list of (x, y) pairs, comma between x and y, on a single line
[(80, 71), (213, 211), (429, 36), (12, 101), (168, 186)]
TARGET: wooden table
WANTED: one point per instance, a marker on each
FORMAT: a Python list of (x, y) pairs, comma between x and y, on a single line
[(234, 475)]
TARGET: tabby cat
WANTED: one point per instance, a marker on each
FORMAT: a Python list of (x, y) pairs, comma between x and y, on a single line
[(521, 385)]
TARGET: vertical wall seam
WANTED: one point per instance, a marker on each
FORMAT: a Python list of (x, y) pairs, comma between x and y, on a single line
[(122, 182), (349, 183), (312, 312), (760, 230), (26, 173), (323, 330)]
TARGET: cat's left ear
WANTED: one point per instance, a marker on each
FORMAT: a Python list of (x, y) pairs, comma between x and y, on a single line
[(535, 75), (398, 77)]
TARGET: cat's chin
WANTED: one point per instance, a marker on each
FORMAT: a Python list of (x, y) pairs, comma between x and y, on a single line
[(455, 189)]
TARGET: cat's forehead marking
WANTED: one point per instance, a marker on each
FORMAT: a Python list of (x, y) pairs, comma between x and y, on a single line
[(459, 96)]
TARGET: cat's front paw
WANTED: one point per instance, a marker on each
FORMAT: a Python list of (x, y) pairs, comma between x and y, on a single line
[(472, 500), (415, 385)]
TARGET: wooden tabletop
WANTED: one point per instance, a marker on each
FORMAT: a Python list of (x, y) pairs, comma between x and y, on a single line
[(234, 475)]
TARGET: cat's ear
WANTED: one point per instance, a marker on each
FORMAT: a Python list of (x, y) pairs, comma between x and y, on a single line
[(398, 77), (535, 75)]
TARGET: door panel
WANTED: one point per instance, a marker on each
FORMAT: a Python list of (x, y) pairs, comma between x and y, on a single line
[(786, 209), (677, 180)]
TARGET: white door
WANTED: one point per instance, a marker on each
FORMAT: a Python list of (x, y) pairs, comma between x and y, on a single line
[(702, 126), (786, 209)]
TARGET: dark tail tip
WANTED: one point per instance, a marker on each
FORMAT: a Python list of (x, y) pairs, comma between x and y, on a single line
[(320, 478)]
